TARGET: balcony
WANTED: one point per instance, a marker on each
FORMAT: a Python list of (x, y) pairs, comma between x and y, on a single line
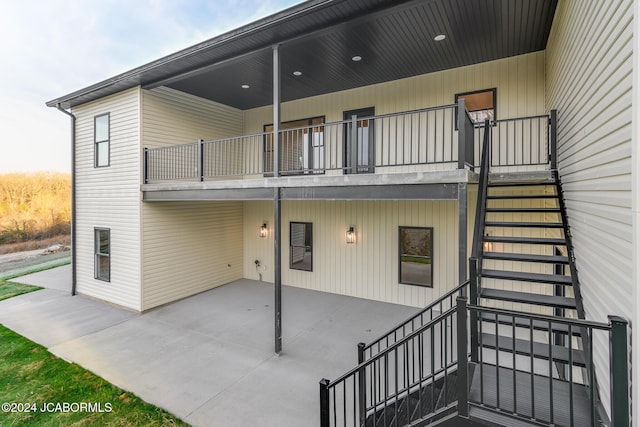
[(436, 144)]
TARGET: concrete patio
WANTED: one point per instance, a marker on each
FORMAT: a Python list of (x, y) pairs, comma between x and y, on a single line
[(209, 358)]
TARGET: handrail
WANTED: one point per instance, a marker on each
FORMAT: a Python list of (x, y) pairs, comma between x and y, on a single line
[(379, 384), (394, 346), (481, 205), (420, 314)]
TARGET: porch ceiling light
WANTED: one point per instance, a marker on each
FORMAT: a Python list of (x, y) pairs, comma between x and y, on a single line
[(356, 58), (264, 230), (245, 86), (351, 235), (440, 37), (297, 73)]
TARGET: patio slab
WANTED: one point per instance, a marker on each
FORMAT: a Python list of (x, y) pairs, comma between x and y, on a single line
[(209, 358)]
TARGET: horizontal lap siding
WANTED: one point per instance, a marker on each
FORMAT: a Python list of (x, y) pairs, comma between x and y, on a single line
[(109, 197), (589, 81), (368, 268), (188, 247)]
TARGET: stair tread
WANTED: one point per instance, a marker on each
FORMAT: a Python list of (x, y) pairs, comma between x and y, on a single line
[(520, 183), (523, 210), (540, 350), (526, 240), (523, 322), (521, 196), (523, 224), (507, 256), (554, 279), (528, 298), (517, 396)]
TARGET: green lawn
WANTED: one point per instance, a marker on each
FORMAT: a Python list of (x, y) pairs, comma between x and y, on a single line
[(10, 289), (416, 259), (31, 376)]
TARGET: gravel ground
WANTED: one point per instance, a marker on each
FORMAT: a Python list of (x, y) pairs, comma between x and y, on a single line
[(29, 259)]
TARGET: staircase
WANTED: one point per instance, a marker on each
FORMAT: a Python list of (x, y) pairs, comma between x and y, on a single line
[(526, 265), (513, 349)]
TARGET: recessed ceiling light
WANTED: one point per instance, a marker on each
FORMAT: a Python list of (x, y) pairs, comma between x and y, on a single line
[(440, 37), (297, 73), (245, 86), (356, 58)]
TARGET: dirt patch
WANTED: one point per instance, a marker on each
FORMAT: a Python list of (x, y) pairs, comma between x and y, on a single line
[(32, 245), (26, 259)]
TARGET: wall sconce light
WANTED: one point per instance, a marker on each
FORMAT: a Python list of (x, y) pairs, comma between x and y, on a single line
[(351, 235), (487, 246), (264, 230)]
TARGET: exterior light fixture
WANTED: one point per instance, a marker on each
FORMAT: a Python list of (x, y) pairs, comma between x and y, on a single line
[(440, 37), (351, 235), (264, 230), (245, 86), (297, 73), (356, 58)]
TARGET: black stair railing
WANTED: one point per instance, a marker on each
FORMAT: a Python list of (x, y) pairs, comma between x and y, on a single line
[(520, 380), (412, 379), (425, 315)]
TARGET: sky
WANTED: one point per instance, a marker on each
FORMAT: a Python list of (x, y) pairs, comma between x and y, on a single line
[(51, 48)]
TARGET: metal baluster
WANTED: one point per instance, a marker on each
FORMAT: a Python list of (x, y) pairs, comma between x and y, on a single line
[(531, 358), (549, 334), (570, 375)]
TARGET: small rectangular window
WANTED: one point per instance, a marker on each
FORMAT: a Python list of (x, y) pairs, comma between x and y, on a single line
[(416, 256), (101, 140), (102, 249), (301, 246), (480, 104)]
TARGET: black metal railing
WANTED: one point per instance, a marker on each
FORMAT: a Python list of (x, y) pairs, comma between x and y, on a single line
[(520, 141), (520, 378), (441, 135), (422, 317), (408, 380)]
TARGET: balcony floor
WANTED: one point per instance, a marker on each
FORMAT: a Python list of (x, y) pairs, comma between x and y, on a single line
[(209, 358), (411, 185)]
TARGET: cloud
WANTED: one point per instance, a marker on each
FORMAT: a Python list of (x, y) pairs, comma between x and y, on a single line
[(53, 48)]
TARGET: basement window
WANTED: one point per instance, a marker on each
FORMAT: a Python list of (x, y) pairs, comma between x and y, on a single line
[(102, 250), (480, 104), (101, 138), (301, 246), (415, 256)]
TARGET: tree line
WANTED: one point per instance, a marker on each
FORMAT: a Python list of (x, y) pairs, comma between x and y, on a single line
[(34, 206)]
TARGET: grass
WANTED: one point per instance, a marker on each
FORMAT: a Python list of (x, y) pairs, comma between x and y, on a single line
[(29, 374), (415, 259), (10, 289)]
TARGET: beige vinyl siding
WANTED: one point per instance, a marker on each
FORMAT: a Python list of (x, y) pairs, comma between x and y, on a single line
[(190, 247), (172, 117), (589, 81), (520, 92), (368, 268), (187, 247), (109, 197)]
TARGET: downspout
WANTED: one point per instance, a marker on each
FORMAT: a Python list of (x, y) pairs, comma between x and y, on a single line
[(73, 197)]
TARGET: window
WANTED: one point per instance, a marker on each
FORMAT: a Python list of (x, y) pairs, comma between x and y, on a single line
[(101, 140), (301, 147), (102, 251), (416, 256), (301, 246), (480, 104)]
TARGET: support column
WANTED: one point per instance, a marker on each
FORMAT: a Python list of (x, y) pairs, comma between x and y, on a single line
[(462, 232), (276, 110), (277, 232)]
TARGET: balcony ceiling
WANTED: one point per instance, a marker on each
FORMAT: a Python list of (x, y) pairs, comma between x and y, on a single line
[(319, 38)]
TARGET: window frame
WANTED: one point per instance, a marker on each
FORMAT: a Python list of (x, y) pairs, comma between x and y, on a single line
[(310, 245), (473, 92), (400, 281), (97, 255), (96, 143)]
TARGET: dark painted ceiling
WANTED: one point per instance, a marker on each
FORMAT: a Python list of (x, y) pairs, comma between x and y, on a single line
[(394, 38)]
